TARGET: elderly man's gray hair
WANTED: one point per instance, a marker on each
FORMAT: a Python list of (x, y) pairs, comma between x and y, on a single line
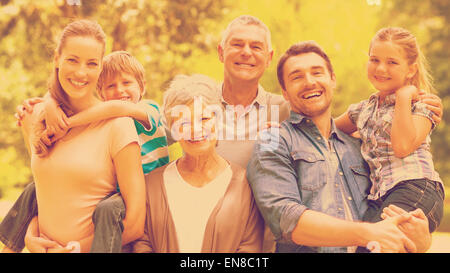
[(247, 20)]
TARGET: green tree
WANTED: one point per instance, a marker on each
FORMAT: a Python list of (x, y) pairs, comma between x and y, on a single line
[(430, 22), (161, 34)]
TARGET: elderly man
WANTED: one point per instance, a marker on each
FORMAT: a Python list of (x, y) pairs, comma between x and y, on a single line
[(309, 179), (246, 52)]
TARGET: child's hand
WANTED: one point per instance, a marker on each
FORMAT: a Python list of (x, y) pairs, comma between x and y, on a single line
[(408, 91), (38, 146), (26, 107), (55, 119)]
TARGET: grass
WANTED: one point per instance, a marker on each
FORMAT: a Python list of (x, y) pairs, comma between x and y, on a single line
[(441, 238)]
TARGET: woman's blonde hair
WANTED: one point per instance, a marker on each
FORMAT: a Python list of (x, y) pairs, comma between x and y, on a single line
[(422, 79), (83, 28)]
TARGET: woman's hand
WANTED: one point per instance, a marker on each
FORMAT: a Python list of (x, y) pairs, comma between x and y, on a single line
[(34, 242), (71, 247), (39, 244)]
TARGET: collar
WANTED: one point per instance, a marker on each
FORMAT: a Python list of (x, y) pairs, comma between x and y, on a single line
[(388, 100), (261, 97), (297, 118)]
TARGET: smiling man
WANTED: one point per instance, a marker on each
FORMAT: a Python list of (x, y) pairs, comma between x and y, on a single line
[(246, 52), (312, 184)]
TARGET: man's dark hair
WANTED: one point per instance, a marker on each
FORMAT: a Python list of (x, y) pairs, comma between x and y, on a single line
[(297, 49)]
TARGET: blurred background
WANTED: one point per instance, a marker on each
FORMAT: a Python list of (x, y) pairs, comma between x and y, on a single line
[(180, 36)]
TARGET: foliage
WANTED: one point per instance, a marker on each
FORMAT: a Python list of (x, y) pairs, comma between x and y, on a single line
[(430, 22), (161, 34), (179, 36)]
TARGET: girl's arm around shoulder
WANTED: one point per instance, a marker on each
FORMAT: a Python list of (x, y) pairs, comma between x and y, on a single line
[(344, 123)]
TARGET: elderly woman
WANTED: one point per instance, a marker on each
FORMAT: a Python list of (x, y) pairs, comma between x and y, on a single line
[(200, 202)]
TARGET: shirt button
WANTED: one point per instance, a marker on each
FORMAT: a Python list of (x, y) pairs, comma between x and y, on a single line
[(349, 198), (341, 173)]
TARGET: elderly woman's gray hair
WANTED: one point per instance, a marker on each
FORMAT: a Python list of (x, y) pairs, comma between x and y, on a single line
[(183, 90)]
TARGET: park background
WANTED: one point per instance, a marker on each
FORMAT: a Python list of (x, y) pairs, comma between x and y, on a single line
[(180, 36)]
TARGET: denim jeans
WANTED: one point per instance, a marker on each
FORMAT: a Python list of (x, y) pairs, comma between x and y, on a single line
[(107, 219), (15, 224), (108, 225), (409, 195)]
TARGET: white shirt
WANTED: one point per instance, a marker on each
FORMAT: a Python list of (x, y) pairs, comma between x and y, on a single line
[(190, 206)]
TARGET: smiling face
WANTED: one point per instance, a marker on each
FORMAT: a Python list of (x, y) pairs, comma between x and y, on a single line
[(197, 130), (309, 85), (388, 68), (245, 53), (79, 65), (122, 86)]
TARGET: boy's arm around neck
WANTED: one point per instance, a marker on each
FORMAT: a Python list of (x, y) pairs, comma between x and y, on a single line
[(115, 108)]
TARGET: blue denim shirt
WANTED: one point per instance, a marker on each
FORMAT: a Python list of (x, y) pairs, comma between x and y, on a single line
[(288, 175)]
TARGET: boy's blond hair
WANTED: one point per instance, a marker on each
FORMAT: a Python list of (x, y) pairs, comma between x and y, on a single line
[(121, 61)]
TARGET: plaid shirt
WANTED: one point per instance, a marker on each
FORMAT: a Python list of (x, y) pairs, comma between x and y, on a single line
[(374, 123)]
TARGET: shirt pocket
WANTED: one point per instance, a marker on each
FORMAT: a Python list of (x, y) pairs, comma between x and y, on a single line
[(311, 170), (362, 180)]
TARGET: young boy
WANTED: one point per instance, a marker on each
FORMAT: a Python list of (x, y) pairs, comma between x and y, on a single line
[(121, 85)]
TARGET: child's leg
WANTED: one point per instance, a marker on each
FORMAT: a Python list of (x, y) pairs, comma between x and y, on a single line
[(14, 226), (412, 194), (107, 218)]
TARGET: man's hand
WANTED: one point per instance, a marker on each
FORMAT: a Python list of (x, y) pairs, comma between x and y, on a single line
[(389, 236), (416, 228), (434, 104)]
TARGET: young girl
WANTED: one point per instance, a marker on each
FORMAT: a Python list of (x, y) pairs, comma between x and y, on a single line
[(82, 168), (395, 130)]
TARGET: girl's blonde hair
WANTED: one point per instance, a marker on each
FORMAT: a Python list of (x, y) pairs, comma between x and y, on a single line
[(83, 28), (422, 79)]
